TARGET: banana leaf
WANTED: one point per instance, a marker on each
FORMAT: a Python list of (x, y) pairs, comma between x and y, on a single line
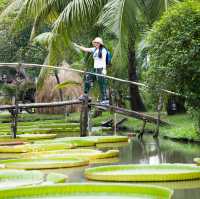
[(67, 84)]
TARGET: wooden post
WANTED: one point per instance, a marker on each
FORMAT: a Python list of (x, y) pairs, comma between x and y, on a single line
[(140, 136), (89, 120), (112, 96), (84, 118), (159, 109), (14, 118), (15, 111)]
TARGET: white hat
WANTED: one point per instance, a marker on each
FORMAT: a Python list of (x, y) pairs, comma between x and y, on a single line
[(98, 40)]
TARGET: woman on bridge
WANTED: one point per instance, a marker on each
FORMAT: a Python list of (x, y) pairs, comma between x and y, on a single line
[(100, 56)]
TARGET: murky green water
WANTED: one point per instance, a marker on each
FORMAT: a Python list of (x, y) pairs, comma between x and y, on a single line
[(152, 151)]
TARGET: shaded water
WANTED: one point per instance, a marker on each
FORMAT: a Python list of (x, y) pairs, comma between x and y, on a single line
[(152, 151)]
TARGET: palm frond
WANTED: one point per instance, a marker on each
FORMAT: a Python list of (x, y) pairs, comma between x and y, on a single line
[(12, 9), (77, 15), (48, 11), (67, 84), (43, 39)]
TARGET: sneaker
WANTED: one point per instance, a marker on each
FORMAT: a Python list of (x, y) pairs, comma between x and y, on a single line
[(82, 97), (105, 102)]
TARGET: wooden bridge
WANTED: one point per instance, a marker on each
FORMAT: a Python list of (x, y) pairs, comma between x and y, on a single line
[(86, 104), (84, 117)]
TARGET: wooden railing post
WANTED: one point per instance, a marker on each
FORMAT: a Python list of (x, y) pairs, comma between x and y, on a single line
[(159, 109), (14, 119), (15, 111), (84, 118), (140, 136)]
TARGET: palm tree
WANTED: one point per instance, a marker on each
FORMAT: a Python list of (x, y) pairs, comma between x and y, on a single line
[(72, 17)]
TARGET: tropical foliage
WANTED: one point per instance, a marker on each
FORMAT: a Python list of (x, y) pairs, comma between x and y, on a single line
[(175, 54)]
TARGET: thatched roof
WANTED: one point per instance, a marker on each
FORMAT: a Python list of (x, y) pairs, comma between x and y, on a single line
[(48, 92)]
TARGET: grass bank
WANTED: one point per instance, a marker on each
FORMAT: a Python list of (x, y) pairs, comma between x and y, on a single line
[(181, 126)]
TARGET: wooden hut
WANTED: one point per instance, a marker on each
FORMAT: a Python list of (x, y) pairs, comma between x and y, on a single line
[(49, 92)]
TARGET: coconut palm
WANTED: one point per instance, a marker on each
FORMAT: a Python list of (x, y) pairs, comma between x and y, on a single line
[(72, 17)]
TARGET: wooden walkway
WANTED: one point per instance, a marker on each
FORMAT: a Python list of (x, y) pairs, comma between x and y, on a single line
[(13, 109), (129, 113)]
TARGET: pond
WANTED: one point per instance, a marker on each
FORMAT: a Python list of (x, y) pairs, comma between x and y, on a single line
[(151, 151)]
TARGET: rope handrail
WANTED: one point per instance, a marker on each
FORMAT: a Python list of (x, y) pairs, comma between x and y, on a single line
[(26, 65)]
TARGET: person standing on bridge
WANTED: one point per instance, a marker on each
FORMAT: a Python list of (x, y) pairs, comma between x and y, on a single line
[(100, 56)]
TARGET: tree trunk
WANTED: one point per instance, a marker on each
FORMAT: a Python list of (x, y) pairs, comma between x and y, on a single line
[(136, 100), (58, 82)]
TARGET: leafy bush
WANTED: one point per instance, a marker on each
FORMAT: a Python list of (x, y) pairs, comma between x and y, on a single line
[(3, 4), (175, 53)]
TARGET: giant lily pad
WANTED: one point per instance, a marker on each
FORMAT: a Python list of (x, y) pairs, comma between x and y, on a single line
[(111, 145), (11, 143), (178, 185), (75, 141), (35, 147), (197, 160), (163, 172), (81, 153), (15, 178), (89, 191), (32, 136), (31, 164), (108, 139)]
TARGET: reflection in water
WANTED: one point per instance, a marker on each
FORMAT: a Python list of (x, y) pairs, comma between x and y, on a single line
[(155, 151)]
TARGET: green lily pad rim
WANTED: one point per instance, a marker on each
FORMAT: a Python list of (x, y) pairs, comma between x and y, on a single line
[(143, 166), (95, 173), (34, 175), (41, 159), (39, 164), (85, 188)]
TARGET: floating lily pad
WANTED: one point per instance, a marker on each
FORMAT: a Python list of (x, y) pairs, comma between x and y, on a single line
[(56, 178), (11, 143), (163, 172), (31, 164), (197, 160), (75, 141), (111, 145), (32, 136), (108, 139), (178, 185), (88, 191), (16, 178), (96, 139), (13, 178), (35, 147), (81, 153), (105, 161)]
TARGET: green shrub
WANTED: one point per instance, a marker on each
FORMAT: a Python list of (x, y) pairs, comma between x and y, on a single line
[(175, 53)]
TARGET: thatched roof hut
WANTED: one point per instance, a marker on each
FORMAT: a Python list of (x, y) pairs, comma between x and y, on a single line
[(49, 92)]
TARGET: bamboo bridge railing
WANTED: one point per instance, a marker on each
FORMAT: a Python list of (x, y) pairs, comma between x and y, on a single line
[(86, 104)]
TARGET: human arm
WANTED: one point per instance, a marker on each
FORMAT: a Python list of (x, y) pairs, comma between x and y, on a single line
[(84, 49)]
